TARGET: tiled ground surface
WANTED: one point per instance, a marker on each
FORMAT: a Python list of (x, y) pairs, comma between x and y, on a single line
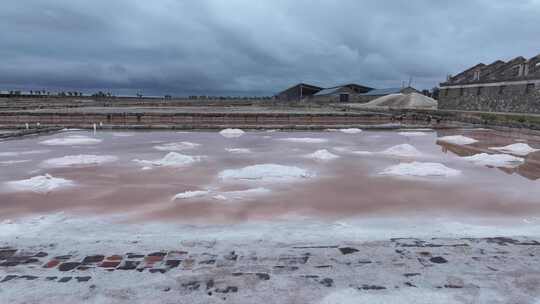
[(466, 265)]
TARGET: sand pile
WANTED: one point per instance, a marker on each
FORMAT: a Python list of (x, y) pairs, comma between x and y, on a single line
[(520, 149), (172, 159), (403, 101), (322, 155), (72, 140), (458, 140), (232, 133)]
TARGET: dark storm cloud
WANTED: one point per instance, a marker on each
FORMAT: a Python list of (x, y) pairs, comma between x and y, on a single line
[(254, 47)]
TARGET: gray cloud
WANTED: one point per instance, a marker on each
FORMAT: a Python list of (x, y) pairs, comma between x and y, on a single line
[(249, 47)]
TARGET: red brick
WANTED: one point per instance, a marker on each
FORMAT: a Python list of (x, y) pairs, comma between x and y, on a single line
[(114, 258), (52, 264), (153, 259)]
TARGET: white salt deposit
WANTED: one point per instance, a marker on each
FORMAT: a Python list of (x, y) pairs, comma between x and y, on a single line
[(232, 133), (79, 160), (13, 162), (495, 160), (72, 140), (40, 184), (266, 172), (322, 155), (241, 195), (238, 150), (180, 146), (520, 149), (15, 154), (404, 150), (350, 131), (307, 140), (420, 169), (458, 140), (172, 159), (412, 134), (190, 194)]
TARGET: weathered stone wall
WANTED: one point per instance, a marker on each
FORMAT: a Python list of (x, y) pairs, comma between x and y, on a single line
[(504, 97), (188, 120)]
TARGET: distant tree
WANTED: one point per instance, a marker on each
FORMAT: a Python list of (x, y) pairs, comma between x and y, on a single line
[(435, 93)]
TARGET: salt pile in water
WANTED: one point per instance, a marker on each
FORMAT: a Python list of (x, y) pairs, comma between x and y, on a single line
[(350, 131), (172, 159), (420, 169), (190, 194), (458, 140), (185, 145), (495, 160), (223, 196), (40, 184), (404, 150), (79, 160), (232, 133), (72, 140), (265, 172), (520, 149), (322, 155)]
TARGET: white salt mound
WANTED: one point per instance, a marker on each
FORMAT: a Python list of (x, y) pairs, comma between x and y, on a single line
[(190, 194), (404, 150), (40, 184), (241, 195), (306, 140), (232, 133), (238, 150), (79, 160), (72, 140), (412, 134), (495, 160), (265, 172), (420, 169), (458, 140), (520, 149), (323, 155), (172, 159), (185, 145), (350, 131)]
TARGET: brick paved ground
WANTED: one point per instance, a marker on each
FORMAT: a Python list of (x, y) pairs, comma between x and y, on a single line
[(469, 266)]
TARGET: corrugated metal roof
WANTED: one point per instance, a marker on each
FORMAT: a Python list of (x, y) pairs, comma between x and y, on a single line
[(381, 92), (328, 91)]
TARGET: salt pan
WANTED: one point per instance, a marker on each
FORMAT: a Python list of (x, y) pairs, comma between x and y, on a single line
[(306, 140)]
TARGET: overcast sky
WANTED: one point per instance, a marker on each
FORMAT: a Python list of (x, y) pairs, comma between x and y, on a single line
[(254, 47)]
